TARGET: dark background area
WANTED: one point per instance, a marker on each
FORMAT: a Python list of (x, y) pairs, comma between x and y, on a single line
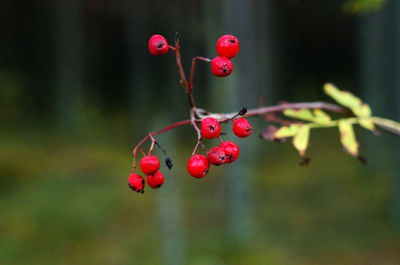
[(79, 89)]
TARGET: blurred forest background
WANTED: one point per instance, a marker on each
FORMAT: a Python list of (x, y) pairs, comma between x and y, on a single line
[(79, 88)]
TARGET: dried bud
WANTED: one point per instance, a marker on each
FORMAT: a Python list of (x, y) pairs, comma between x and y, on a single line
[(243, 111), (168, 162)]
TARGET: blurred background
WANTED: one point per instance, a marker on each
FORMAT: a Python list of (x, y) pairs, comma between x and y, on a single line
[(79, 89)]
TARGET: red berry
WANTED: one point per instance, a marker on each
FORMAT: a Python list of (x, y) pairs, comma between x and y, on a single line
[(158, 45), (216, 156), (231, 151), (155, 180), (228, 46), (221, 66), (136, 182), (210, 128), (241, 128), (149, 164), (198, 166)]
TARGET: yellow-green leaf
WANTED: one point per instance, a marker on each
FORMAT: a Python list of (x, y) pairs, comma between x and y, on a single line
[(321, 116), (303, 114), (317, 116), (347, 99), (364, 110), (367, 123), (287, 131), (348, 138), (300, 140)]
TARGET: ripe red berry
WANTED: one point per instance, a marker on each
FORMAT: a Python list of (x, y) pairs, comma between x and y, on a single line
[(136, 182), (216, 156), (228, 46), (198, 166), (231, 151), (221, 66), (210, 128), (149, 164), (158, 45), (241, 128), (155, 180)]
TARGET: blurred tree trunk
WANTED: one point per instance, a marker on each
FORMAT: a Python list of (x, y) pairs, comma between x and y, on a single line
[(379, 43), (169, 203), (397, 99), (69, 63), (251, 79)]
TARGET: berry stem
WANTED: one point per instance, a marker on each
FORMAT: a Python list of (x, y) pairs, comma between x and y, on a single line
[(141, 150), (193, 122), (169, 127), (152, 143), (194, 60), (182, 73)]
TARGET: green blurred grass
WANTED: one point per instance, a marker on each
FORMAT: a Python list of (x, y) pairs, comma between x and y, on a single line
[(64, 200)]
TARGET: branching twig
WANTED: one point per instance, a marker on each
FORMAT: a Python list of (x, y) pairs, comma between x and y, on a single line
[(197, 115), (195, 59), (182, 73), (193, 122), (225, 117)]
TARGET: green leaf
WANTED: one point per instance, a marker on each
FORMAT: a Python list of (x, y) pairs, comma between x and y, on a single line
[(287, 131), (348, 138), (300, 140), (317, 116), (347, 99)]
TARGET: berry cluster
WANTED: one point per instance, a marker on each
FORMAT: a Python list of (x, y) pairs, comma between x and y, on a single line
[(150, 166), (198, 165), (226, 152), (227, 48)]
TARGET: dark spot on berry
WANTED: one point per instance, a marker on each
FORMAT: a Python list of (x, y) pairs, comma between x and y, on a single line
[(248, 129), (212, 127), (160, 44), (225, 69), (232, 40)]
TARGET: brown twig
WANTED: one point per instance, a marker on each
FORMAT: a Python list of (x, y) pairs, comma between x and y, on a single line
[(182, 73), (193, 122), (194, 60)]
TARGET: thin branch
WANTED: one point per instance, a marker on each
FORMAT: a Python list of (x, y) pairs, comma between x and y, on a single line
[(193, 122), (387, 125), (169, 127), (182, 73), (195, 59), (222, 117)]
